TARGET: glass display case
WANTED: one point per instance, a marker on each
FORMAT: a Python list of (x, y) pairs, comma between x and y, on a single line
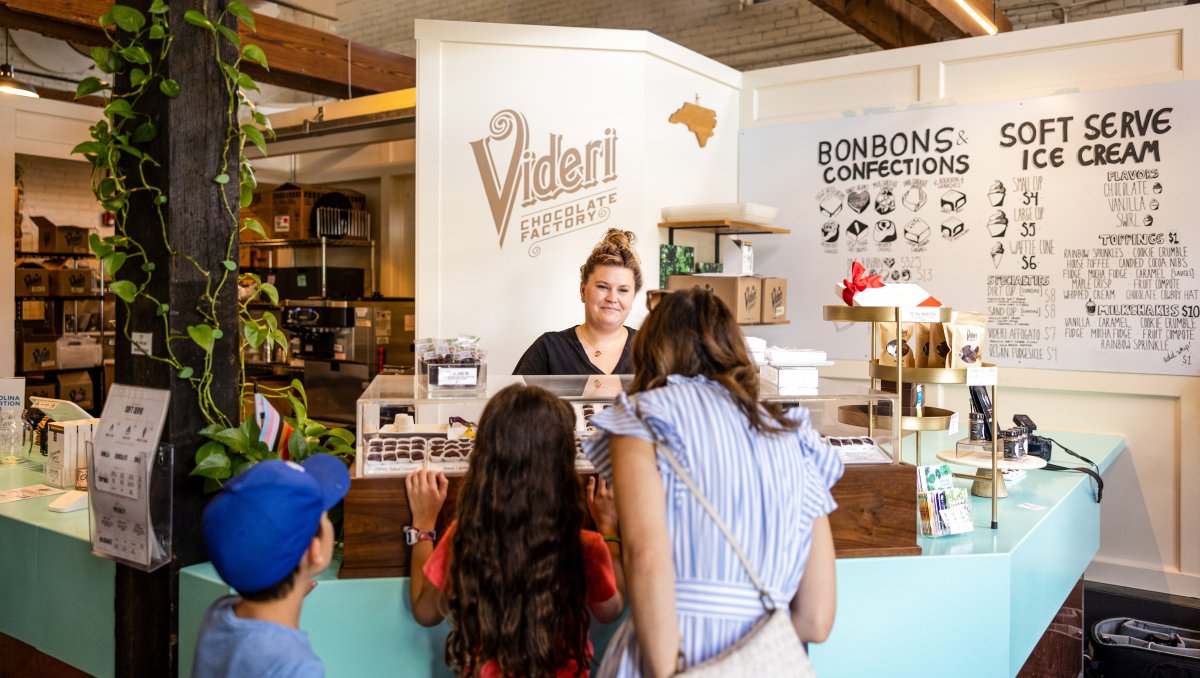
[(403, 426)]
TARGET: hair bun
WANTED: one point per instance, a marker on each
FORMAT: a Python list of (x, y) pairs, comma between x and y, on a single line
[(622, 239), (614, 249)]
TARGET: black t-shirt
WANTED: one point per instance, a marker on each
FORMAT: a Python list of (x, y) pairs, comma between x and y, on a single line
[(562, 353)]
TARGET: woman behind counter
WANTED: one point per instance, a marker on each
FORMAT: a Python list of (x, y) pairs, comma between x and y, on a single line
[(608, 282)]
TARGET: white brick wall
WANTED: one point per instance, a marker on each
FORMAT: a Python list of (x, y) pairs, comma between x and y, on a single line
[(771, 33), (59, 190)]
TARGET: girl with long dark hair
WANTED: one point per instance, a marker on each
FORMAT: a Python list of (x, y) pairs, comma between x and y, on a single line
[(516, 573)]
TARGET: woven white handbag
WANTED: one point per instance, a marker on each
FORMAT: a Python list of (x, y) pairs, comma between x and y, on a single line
[(771, 647)]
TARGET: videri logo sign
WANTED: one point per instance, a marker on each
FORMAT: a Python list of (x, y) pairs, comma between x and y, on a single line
[(522, 178)]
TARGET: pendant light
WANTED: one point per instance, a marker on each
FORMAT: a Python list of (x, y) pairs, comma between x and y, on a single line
[(8, 83)]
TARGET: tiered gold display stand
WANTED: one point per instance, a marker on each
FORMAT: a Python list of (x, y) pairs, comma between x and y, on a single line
[(931, 418)]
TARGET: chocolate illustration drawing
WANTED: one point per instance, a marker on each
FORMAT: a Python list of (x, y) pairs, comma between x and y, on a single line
[(885, 201), (885, 230), (1157, 187), (997, 254), (953, 201), (830, 231), (858, 200), (916, 232), (831, 206), (857, 231), (1148, 221), (914, 198), (952, 228)]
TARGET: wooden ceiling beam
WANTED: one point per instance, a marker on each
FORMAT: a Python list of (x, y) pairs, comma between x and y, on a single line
[(887, 23), (301, 58), (906, 23), (949, 12)]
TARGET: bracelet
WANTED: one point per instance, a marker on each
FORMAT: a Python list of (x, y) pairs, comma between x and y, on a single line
[(613, 539)]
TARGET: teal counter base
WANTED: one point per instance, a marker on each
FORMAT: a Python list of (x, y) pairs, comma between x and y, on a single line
[(54, 594), (973, 604)]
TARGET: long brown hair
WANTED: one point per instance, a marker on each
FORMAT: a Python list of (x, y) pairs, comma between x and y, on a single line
[(691, 333), (517, 588), (615, 249)]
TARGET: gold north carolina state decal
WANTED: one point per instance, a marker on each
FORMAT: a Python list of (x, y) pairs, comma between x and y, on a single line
[(699, 120)]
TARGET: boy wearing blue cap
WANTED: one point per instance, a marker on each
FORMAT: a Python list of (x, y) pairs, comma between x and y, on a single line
[(268, 535)]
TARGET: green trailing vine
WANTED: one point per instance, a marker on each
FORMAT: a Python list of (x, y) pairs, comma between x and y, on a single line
[(139, 42)]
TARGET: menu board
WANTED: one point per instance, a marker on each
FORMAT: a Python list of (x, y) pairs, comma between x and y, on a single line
[(1068, 219)]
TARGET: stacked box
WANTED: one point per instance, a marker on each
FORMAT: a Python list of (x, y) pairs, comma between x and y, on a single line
[(741, 293)]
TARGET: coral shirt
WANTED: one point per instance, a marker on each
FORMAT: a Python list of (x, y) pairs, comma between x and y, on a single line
[(597, 568)]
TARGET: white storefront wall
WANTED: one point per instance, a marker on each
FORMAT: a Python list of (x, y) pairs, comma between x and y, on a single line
[(602, 93)]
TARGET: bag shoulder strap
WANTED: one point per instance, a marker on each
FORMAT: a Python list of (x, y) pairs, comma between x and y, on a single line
[(669, 455)]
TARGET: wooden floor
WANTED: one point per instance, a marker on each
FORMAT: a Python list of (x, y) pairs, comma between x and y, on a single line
[(18, 660)]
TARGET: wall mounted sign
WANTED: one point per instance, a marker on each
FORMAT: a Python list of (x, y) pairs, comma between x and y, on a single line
[(1068, 219)]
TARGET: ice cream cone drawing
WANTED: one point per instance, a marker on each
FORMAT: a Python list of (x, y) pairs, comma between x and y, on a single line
[(997, 254), (997, 224), (996, 193)]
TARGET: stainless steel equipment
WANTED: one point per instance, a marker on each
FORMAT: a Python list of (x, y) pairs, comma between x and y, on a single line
[(343, 344)]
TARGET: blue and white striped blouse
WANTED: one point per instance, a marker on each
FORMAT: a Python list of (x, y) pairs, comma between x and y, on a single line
[(767, 488)]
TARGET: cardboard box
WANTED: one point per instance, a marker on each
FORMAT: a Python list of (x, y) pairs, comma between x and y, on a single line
[(291, 210), (38, 355), (61, 239), (774, 300), (76, 387), (742, 294), (79, 351), (75, 282), (261, 208), (40, 390), (66, 450), (34, 282)]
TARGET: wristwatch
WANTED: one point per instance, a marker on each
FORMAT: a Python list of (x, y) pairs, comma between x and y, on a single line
[(414, 536)]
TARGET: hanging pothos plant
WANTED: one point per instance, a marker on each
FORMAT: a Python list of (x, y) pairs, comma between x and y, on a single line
[(119, 157)]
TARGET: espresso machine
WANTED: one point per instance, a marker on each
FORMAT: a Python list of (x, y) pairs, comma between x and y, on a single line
[(343, 345)]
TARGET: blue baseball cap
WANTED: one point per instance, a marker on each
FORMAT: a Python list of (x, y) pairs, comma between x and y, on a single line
[(259, 526)]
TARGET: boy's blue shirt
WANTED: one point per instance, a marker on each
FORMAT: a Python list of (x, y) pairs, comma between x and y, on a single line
[(230, 646)]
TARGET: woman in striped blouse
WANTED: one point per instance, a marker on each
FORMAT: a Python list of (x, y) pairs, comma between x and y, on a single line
[(767, 473)]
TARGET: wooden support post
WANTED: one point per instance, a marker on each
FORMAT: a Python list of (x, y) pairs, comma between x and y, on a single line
[(189, 146)]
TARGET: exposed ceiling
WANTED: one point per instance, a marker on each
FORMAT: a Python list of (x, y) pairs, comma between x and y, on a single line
[(301, 58), (905, 23)]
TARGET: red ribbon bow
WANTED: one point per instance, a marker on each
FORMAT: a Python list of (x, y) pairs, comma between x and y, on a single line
[(857, 282)]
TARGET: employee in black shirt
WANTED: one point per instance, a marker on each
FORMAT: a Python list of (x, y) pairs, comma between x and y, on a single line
[(609, 280)]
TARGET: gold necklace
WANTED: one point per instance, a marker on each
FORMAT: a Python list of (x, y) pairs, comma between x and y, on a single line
[(598, 351)]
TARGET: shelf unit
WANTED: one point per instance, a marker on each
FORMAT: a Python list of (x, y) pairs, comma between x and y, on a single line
[(718, 228), (97, 371), (932, 418), (324, 243)]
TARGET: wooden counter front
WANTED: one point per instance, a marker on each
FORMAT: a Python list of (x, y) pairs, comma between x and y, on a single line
[(876, 516)]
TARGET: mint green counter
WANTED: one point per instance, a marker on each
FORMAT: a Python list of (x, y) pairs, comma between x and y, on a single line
[(54, 594), (980, 600)]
